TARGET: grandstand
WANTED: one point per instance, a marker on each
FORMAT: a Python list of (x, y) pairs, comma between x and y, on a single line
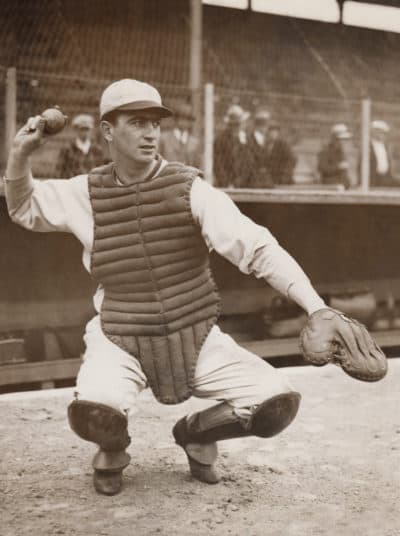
[(309, 73), (150, 39)]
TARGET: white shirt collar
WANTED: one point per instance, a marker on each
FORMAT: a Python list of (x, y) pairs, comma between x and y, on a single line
[(382, 158), (83, 146), (259, 137), (181, 135), (242, 137), (162, 166)]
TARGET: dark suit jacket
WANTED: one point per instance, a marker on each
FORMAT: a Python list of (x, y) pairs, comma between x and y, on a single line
[(72, 161), (232, 161), (273, 163), (175, 151), (259, 173), (328, 161), (281, 162)]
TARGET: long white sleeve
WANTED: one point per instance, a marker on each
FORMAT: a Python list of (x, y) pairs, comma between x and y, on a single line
[(51, 205), (249, 246)]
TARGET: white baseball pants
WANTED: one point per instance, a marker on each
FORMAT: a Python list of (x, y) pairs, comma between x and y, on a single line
[(225, 372)]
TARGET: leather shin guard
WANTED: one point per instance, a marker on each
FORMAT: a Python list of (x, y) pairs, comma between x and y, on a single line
[(198, 434), (100, 424), (221, 422), (107, 428)]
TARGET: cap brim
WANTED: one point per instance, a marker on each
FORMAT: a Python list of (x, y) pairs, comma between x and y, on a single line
[(138, 106), (236, 120), (382, 129)]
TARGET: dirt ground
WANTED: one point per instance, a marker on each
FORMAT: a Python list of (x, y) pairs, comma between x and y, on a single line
[(334, 471)]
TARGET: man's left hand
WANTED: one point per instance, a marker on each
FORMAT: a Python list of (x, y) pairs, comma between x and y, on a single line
[(332, 337)]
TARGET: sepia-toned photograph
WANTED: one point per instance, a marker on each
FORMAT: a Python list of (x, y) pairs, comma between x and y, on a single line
[(200, 267)]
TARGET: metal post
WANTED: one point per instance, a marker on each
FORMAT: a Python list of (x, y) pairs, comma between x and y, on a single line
[(195, 61), (208, 132), (365, 143), (10, 107)]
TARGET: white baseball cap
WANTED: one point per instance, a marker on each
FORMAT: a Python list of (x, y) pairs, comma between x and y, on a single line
[(378, 124), (341, 132), (129, 94)]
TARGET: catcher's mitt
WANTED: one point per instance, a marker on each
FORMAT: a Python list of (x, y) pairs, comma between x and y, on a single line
[(332, 337)]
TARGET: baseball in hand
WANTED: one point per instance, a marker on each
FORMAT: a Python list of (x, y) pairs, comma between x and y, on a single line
[(55, 120)]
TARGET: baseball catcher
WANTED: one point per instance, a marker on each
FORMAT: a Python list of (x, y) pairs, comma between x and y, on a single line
[(147, 227)]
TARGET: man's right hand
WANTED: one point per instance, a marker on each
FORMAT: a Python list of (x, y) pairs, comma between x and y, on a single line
[(30, 137)]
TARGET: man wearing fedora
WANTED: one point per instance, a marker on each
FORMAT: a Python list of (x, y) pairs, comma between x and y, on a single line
[(81, 154), (281, 158), (147, 227), (177, 142), (336, 164), (258, 147), (233, 161)]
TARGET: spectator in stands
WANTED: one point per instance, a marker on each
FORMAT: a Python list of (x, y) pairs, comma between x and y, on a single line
[(260, 176), (232, 159), (380, 167), (334, 163), (82, 154), (177, 143), (281, 159)]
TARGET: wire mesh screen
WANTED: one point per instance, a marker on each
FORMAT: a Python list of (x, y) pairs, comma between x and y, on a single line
[(66, 53), (3, 155), (98, 39), (306, 76), (75, 95), (299, 85), (280, 138), (262, 52)]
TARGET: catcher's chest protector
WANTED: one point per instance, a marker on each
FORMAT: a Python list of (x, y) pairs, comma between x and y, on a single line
[(160, 299)]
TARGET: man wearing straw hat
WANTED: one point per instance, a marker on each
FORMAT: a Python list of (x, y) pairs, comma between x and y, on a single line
[(336, 164)]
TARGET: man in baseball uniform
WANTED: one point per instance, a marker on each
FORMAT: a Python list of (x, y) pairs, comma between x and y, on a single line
[(147, 228)]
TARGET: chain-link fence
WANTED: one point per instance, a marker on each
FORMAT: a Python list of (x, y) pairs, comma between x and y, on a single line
[(75, 96), (307, 77), (260, 139)]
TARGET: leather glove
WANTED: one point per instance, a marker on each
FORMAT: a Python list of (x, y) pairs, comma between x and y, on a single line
[(331, 337)]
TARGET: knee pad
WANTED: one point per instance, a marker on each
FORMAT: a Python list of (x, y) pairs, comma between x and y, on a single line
[(274, 415), (99, 424)]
